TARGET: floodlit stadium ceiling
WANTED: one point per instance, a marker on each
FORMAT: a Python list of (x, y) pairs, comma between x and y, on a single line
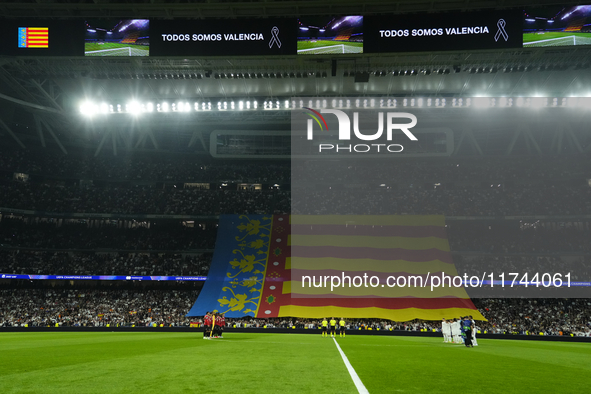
[(238, 9), (52, 89)]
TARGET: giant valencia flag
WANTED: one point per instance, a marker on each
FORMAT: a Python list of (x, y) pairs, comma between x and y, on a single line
[(33, 37), (277, 266)]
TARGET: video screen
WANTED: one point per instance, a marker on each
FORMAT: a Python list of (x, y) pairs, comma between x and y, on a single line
[(117, 37), (557, 26), (330, 35)]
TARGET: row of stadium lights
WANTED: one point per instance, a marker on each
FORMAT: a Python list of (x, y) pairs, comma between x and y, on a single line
[(90, 109)]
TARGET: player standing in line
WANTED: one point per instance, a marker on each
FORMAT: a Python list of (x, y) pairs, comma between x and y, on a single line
[(206, 326), (444, 331), (333, 327), (474, 342), (214, 330), (456, 332), (324, 327), (218, 325), (222, 324), (467, 326), (342, 327)]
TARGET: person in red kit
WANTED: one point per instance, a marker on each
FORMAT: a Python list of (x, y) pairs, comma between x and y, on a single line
[(217, 329), (222, 324), (207, 321)]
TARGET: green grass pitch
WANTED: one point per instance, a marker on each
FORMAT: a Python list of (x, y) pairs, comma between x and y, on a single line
[(145, 362), (555, 39), (115, 49), (321, 47)]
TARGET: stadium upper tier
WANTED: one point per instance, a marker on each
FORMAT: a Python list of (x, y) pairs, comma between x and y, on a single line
[(77, 263), (189, 168), (483, 199), (52, 234)]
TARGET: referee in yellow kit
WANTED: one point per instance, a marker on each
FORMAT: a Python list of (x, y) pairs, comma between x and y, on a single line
[(342, 327), (324, 327), (333, 327)]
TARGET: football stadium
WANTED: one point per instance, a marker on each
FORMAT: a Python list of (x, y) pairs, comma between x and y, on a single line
[(330, 36), (224, 214), (568, 26), (117, 38)]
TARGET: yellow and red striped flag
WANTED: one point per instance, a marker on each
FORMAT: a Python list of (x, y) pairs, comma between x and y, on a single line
[(261, 261), (33, 37)]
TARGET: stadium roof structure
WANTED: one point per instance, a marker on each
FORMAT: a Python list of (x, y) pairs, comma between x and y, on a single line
[(244, 8), (41, 95)]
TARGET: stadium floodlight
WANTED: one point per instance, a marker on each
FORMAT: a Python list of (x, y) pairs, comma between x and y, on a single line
[(324, 104), (248, 104), (429, 101), (255, 104), (303, 28), (87, 108), (240, 105), (286, 103), (405, 102), (109, 32), (232, 105), (91, 30), (420, 102), (104, 108), (118, 107), (520, 102), (164, 107), (149, 107)]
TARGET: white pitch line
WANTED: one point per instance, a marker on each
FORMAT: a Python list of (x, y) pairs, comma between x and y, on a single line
[(358, 383), (327, 47), (549, 39)]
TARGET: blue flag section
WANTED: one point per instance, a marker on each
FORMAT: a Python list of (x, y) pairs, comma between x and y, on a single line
[(237, 271)]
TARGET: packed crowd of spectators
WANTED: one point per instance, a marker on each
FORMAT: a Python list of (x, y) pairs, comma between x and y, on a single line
[(136, 199), (76, 263), (166, 236), (447, 170), (534, 316), (512, 239), (495, 201), (182, 168), (186, 168), (579, 267), (95, 308)]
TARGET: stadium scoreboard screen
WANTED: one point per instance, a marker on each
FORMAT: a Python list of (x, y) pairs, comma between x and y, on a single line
[(435, 32), (312, 35)]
